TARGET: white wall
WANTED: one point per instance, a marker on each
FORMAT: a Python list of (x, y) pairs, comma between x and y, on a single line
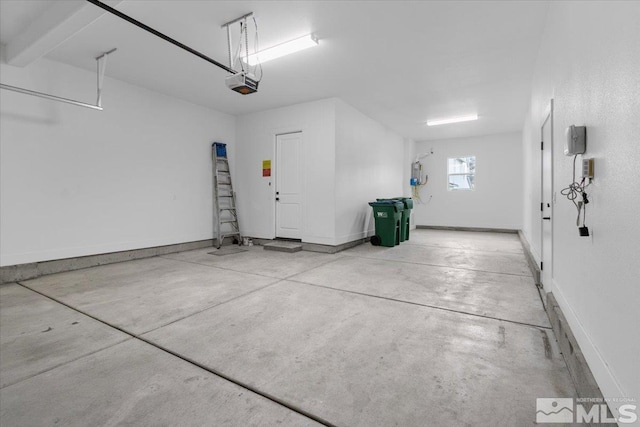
[(589, 63), (76, 181), (531, 190), (495, 203), (409, 156), (369, 164), (256, 135), (349, 160)]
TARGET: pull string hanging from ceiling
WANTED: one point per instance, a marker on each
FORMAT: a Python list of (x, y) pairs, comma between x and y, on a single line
[(256, 43), (237, 55), (244, 43)]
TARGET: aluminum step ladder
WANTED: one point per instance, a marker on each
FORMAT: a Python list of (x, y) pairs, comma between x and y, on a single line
[(224, 198)]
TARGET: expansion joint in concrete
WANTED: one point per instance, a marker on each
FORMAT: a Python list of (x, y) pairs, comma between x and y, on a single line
[(425, 305), (139, 337)]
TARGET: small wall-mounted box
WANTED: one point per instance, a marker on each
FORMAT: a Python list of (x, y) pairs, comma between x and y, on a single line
[(575, 141), (587, 168)]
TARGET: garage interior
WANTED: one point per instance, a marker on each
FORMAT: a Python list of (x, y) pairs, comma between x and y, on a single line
[(129, 298)]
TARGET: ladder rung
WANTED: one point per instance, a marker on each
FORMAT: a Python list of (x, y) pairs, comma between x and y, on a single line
[(229, 222), (235, 233)]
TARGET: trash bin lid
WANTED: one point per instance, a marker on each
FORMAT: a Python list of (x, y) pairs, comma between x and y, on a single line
[(392, 201), (407, 201), (388, 203)]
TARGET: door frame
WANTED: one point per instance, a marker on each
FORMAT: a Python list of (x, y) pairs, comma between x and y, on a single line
[(547, 118), (274, 172)]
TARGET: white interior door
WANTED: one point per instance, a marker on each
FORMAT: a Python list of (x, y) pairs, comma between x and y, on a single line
[(289, 180), (546, 210)]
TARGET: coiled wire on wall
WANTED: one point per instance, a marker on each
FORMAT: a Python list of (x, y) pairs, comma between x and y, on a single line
[(576, 191)]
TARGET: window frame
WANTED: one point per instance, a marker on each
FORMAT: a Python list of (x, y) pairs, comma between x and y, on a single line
[(473, 174)]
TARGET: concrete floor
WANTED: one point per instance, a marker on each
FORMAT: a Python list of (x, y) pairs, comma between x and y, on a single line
[(445, 330)]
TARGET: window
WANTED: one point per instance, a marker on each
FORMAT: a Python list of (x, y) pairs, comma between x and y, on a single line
[(462, 173)]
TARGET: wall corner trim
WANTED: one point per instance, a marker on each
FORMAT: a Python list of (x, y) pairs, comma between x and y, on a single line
[(16, 273), (531, 259)]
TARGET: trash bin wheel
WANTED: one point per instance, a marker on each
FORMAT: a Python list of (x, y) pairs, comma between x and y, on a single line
[(376, 240)]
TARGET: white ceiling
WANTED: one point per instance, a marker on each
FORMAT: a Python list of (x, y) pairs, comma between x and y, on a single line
[(15, 16), (399, 62)]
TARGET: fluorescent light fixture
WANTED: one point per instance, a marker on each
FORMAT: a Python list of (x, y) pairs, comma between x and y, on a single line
[(468, 118), (283, 49)]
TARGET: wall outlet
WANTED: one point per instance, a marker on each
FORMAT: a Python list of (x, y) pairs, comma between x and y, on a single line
[(587, 168)]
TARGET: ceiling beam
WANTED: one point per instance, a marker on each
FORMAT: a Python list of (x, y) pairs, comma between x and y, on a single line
[(59, 22)]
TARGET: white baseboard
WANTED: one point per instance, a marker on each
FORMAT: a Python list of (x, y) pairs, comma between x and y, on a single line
[(607, 382), (12, 259)]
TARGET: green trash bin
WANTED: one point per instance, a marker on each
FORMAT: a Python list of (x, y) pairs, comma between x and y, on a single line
[(405, 221), (388, 216), (406, 216)]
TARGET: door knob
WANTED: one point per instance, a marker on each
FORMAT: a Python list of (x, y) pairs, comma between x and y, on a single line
[(277, 199)]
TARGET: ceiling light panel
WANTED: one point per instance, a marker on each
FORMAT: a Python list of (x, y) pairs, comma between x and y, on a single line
[(459, 119), (283, 49)]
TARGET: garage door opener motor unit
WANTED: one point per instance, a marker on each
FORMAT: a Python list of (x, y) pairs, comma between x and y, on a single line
[(242, 83)]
